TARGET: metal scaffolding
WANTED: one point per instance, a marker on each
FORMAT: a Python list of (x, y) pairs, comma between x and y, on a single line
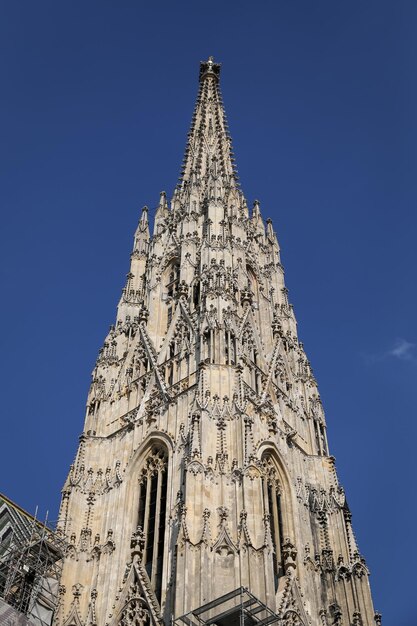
[(30, 570), (237, 608)]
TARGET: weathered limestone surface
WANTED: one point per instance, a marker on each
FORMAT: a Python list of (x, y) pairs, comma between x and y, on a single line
[(202, 394)]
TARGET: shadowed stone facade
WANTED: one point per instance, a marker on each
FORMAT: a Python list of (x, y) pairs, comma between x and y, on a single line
[(204, 464)]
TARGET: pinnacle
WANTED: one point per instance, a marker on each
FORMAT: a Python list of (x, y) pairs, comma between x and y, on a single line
[(209, 159), (144, 216), (209, 68), (163, 199)]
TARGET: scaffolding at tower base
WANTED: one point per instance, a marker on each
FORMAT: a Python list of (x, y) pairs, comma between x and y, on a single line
[(30, 571), (236, 608)]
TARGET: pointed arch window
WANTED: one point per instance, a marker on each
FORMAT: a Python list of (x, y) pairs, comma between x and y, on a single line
[(230, 347), (208, 338), (171, 281), (173, 278), (251, 278), (152, 513), (273, 509), (257, 378), (181, 341), (196, 295)]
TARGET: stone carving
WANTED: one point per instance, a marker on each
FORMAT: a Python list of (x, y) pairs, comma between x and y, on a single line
[(217, 279), (109, 546), (336, 614), (95, 482), (356, 567), (195, 438), (71, 551), (204, 356), (135, 612), (224, 544), (93, 617), (289, 555), (73, 618), (318, 499), (291, 608)]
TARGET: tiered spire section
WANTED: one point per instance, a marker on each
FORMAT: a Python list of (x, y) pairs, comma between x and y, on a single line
[(204, 464), (208, 155)]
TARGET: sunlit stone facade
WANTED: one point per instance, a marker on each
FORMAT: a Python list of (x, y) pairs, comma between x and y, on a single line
[(204, 464)]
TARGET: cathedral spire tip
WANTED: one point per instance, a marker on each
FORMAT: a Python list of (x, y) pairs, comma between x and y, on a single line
[(208, 160), (209, 68)]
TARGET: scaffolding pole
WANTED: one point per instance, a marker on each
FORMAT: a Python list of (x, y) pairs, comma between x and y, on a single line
[(30, 571)]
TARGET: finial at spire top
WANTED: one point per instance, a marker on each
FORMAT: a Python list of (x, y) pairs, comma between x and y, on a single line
[(209, 68)]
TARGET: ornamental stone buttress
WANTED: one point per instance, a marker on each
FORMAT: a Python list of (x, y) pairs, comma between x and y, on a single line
[(203, 490)]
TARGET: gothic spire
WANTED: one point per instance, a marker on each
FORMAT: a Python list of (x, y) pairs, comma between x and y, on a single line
[(204, 453), (208, 154)]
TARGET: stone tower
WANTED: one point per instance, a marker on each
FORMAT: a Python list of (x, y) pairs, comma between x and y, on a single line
[(203, 490)]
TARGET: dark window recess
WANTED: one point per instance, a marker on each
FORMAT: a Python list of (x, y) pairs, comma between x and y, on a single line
[(152, 515), (280, 525), (142, 502), (196, 295), (161, 538), (273, 507), (151, 526), (273, 529)]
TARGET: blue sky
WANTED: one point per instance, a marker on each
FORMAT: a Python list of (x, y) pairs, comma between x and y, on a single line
[(321, 99)]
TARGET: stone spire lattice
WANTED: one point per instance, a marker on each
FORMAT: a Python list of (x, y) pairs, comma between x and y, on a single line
[(203, 466)]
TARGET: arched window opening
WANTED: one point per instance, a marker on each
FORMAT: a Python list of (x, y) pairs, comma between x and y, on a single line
[(208, 338), (152, 514), (252, 283), (257, 374), (230, 347), (317, 435), (196, 295), (182, 340), (173, 278), (169, 316), (273, 508)]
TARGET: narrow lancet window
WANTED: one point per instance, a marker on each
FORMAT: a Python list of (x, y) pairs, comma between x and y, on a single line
[(173, 279), (230, 350), (196, 295), (152, 514), (273, 509)]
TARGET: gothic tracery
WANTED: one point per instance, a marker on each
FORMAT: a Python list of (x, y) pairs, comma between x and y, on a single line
[(204, 464)]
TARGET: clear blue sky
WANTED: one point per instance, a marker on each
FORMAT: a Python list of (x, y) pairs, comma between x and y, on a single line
[(321, 98)]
